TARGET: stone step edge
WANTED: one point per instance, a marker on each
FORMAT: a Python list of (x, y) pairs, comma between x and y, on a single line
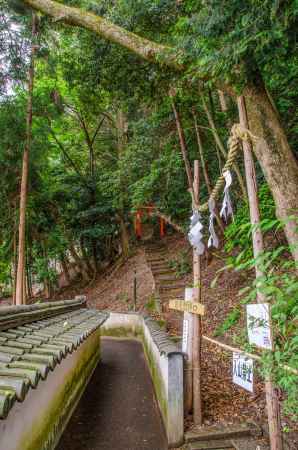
[(217, 444), (224, 432)]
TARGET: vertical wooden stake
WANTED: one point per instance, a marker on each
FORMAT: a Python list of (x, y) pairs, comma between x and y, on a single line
[(272, 402), (188, 397), (197, 325), (135, 290)]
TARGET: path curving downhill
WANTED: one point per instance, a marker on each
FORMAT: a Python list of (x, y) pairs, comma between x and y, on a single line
[(118, 410)]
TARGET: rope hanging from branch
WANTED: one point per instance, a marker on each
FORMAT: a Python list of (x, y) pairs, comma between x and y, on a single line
[(238, 134)]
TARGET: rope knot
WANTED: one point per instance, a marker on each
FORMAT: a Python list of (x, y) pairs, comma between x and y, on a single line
[(242, 134)]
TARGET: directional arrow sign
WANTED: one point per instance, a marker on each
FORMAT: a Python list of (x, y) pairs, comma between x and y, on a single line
[(190, 307)]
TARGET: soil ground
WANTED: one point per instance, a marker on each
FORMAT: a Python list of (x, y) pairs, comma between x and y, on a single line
[(118, 409)]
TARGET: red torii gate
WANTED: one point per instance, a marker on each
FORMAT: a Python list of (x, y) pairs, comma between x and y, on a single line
[(146, 211)]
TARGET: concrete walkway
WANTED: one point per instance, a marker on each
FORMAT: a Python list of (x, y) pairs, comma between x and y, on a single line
[(118, 410)]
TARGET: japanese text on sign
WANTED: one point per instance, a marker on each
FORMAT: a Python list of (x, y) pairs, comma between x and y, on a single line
[(191, 307), (243, 371), (258, 325)]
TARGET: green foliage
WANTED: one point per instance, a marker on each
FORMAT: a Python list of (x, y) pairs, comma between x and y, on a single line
[(279, 286), (151, 304), (181, 264), (230, 320)]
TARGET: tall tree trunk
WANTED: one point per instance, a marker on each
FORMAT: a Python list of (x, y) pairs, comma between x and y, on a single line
[(221, 147), (15, 254), (29, 284), (47, 284), (276, 159), (205, 170), (64, 265), (122, 140), (24, 286), (25, 171), (80, 264), (222, 101), (183, 148), (124, 236), (86, 259)]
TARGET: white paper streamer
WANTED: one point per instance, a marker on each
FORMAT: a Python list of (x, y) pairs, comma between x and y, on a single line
[(195, 218), (227, 210), (195, 236), (213, 240)]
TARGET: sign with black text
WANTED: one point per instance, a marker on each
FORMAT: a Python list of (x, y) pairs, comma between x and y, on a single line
[(243, 371), (258, 325), (190, 307), (185, 335)]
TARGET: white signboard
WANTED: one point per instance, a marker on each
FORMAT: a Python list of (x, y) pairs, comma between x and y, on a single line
[(243, 371), (185, 336), (186, 342), (258, 325), (188, 293)]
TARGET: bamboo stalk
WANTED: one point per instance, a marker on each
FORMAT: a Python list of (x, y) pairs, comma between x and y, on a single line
[(222, 149)]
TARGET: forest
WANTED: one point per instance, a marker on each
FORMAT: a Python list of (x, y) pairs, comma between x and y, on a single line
[(104, 107)]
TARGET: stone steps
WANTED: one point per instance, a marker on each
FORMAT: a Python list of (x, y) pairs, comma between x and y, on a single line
[(211, 445), (157, 260), (170, 287), (166, 279), (244, 436), (163, 272)]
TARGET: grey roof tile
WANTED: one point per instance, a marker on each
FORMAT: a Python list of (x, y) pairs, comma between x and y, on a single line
[(34, 339)]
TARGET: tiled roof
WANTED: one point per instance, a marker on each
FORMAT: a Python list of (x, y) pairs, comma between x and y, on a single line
[(34, 339), (162, 340)]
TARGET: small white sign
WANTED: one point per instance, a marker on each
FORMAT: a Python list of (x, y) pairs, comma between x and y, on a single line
[(186, 345), (185, 336), (243, 371), (258, 325), (188, 294)]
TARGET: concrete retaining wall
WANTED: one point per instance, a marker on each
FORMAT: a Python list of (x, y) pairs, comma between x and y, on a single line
[(165, 362), (38, 422)]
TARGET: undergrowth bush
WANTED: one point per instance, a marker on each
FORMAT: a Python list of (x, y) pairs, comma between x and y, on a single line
[(279, 286), (181, 264)]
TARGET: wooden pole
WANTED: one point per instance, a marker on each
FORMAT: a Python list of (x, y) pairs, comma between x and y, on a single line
[(135, 290), (188, 388), (197, 325), (272, 402), (183, 146)]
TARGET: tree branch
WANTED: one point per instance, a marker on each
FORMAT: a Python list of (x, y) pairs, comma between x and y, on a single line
[(146, 49), (97, 130), (70, 161)]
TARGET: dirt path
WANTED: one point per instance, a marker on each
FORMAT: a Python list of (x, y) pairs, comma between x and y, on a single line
[(118, 409)]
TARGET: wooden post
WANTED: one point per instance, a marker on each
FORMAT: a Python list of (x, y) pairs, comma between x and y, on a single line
[(197, 325), (276, 442), (188, 395), (135, 290), (161, 227)]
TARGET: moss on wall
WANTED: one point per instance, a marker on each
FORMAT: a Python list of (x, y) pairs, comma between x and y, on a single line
[(46, 432), (122, 332)]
